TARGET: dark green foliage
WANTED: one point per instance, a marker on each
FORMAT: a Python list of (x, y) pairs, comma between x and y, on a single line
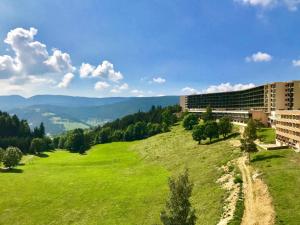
[(15, 132), (75, 141), (168, 117), (2, 151), (178, 207), (225, 126), (199, 133), (12, 156), (61, 143), (248, 138), (189, 121), (37, 145), (55, 142), (211, 130), (208, 115), (137, 126)]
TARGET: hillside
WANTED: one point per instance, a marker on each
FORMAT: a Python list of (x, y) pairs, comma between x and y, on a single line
[(118, 183), (62, 113)]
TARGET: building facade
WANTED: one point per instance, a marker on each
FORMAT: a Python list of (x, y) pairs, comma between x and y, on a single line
[(257, 103), (287, 126), (276, 104)]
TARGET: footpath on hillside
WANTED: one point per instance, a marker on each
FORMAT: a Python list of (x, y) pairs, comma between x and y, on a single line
[(259, 209)]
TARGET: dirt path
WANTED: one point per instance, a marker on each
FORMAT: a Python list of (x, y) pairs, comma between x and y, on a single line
[(258, 202)]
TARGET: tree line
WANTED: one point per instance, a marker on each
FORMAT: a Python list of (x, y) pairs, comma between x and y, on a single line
[(208, 127), (132, 127), (17, 133)]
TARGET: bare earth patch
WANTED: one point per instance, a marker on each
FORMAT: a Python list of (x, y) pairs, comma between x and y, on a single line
[(227, 181), (259, 209)]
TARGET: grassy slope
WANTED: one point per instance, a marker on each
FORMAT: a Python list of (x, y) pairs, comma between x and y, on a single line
[(281, 169), (113, 184), (176, 150), (266, 135)]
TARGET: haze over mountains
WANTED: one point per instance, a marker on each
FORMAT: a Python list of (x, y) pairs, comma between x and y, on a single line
[(60, 113)]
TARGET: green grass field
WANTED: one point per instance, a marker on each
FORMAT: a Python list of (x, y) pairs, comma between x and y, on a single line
[(118, 183), (266, 135), (281, 171)]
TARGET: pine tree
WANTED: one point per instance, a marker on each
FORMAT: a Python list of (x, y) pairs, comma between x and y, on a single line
[(178, 208)]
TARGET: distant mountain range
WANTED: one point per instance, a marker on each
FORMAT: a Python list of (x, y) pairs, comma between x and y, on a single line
[(60, 113)]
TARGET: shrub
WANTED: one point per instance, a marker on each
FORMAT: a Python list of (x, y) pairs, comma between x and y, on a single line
[(12, 157)]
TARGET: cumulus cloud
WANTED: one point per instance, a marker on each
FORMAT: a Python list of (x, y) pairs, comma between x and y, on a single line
[(259, 57), (225, 87), (101, 85), (296, 63), (66, 80), (103, 70), (189, 91), (119, 88), (159, 80), (86, 69), (31, 57), (137, 93), (292, 5)]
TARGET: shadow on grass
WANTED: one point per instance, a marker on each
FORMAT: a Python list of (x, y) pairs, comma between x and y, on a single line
[(12, 170), (258, 158), (42, 155), (232, 135)]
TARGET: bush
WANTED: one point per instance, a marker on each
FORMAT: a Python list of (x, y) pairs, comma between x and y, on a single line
[(238, 179), (12, 157)]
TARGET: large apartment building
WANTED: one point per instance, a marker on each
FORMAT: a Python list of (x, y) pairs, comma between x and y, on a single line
[(261, 103)]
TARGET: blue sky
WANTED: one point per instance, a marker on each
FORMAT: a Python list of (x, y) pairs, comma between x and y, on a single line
[(146, 48)]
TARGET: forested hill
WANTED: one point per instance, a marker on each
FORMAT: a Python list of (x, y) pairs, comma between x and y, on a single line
[(62, 113)]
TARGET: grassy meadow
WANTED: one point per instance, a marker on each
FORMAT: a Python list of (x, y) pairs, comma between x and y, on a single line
[(281, 172), (118, 183)]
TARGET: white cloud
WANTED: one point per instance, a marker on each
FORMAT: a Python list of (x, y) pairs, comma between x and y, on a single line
[(31, 57), (189, 91), (66, 80), (137, 92), (60, 61), (86, 69), (263, 3), (292, 5), (296, 63), (159, 80), (225, 87), (103, 70), (259, 57), (119, 88), (101, 85)]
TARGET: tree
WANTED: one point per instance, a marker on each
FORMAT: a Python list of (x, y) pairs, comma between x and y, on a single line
[(189, 121), (250, 131), (168, 117), (105, 135), (248, 138), (211, 130), (199, 133), (225, 126), (75, 141), (2, 151), (42, 130), (12, 157), (178, 208), (208, 115), (140, 130), (36, 145)]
